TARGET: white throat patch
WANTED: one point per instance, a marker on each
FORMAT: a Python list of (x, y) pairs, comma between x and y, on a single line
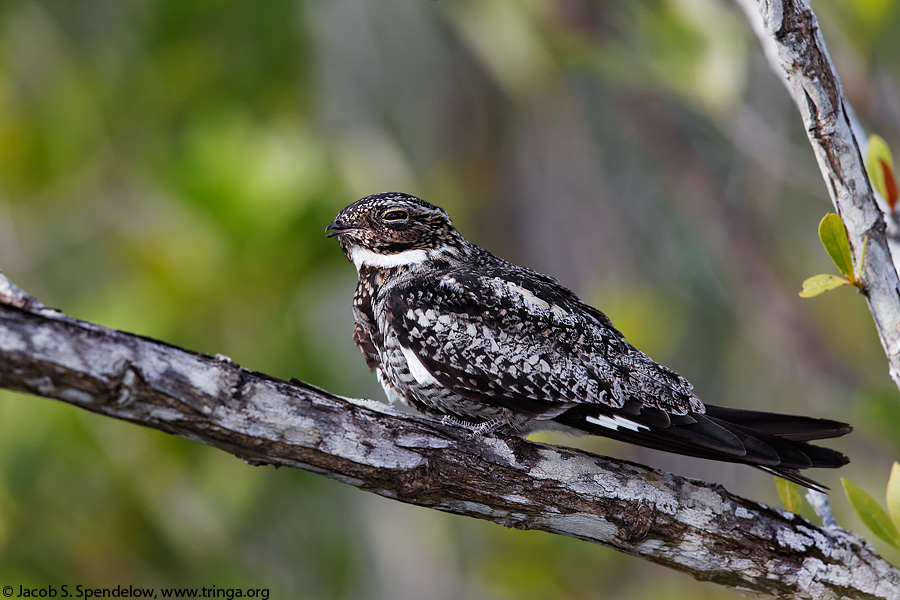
[(362, 257)]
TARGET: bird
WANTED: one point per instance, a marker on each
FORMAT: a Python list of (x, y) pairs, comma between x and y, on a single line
[(459, 333)]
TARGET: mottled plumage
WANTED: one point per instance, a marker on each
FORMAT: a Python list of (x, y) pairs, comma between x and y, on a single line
[(455, 331)]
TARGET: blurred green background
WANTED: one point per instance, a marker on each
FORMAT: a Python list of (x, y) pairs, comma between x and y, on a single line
[(168, 168)]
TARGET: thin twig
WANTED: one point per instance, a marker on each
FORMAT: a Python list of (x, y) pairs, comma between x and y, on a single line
[(790, 36)]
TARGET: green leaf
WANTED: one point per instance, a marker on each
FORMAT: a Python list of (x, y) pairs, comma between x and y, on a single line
[(880, 166), (893, 494), (871, 513), (834, 237), (817, 284), (789, 492)]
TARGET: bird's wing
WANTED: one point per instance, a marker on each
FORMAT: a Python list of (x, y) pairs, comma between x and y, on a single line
[(529, 345)]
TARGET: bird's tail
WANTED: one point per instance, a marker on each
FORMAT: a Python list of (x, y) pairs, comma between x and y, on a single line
[(769, 441)]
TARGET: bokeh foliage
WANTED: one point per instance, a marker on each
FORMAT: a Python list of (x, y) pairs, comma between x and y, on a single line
[(168, 168)]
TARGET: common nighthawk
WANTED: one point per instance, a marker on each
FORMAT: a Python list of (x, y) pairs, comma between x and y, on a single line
[(455, 331)]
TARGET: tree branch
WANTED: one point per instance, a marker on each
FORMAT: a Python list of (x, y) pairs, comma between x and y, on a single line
[(697, 528), (789, 33), (689, 526)]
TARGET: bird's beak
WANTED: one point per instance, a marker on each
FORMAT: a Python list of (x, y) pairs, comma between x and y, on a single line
[(336, 228), (333, 228), (340, 226)]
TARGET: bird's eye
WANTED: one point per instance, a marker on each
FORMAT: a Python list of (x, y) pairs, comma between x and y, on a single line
[(395, 216)]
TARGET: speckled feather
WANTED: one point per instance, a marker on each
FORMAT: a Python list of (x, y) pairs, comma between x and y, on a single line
[(504, 335), (454, 330)]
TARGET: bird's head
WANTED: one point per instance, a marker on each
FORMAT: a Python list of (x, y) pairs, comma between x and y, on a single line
[(393, 230)]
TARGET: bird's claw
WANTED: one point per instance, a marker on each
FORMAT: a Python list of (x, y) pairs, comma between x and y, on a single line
[(475, 429)]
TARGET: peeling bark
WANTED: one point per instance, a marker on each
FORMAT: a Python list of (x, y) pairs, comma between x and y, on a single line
[(690, 526)]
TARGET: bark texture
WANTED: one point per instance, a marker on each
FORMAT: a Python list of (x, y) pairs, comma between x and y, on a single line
[(790, 36), (690, 526)]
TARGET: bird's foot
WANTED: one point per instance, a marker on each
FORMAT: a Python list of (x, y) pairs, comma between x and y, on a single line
[(475, 429)]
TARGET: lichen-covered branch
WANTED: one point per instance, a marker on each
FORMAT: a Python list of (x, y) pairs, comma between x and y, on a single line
[(693, 527), (796, 51)]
